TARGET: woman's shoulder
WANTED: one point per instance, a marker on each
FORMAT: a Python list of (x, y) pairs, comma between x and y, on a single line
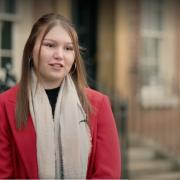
[(9, 95), (92, 93), (94, 96)]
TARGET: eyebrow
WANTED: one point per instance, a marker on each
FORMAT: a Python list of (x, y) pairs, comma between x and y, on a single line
[(56, 41)]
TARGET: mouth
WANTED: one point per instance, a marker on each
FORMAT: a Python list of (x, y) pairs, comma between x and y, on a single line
[(56, 66)]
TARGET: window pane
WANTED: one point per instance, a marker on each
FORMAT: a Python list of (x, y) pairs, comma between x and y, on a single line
[(2, 6), (150, 60), (8, 6), (152, 14), (6, 63), (152, 39), (151, 47), (150, 74), (6, 35)]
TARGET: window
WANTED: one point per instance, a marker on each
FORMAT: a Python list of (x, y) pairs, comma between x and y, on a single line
[(7, 6), (7, 20), (155, 85)]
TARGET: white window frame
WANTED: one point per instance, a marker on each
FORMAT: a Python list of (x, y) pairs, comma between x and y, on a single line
[(159, 94)]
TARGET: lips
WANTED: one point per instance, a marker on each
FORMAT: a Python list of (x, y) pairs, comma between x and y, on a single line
[(56, 66)]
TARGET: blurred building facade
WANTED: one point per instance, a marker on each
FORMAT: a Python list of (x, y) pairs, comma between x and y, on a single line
[(152, 73), (133, 56)]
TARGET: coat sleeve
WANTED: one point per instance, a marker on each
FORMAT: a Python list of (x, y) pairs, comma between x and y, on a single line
[(107, 155), (6, 166)]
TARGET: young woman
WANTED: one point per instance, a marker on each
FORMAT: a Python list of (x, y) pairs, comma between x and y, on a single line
[(51, 124)]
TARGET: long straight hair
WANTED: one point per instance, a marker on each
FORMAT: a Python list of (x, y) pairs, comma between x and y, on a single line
[(45, 24)]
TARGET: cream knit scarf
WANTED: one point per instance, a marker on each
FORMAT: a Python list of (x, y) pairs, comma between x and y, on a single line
[(63, 143)]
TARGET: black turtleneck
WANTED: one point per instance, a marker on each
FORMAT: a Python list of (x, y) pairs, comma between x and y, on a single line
[(52, 96)]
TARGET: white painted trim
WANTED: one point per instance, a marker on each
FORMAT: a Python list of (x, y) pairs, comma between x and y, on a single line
[(157, 97)]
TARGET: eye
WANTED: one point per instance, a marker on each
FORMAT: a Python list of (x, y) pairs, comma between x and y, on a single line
[(69, 48), (48, 44)]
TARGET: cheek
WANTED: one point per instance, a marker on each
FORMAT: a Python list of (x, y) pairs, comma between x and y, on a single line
[(70, 61), (36, 58)]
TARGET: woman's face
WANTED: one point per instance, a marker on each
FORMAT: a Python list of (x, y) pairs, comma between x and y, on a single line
[(56, 56)]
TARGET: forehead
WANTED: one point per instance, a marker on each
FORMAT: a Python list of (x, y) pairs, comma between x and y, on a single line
[(57, 32)]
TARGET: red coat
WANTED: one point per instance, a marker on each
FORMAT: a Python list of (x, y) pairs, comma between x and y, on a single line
[(18, 157)]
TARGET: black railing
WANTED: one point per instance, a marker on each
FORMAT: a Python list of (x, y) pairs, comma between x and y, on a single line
[(120, 110)]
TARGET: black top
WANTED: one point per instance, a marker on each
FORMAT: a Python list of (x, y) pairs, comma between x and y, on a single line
[(52, 96)]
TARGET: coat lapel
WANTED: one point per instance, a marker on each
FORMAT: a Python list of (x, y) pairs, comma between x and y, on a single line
[(25, 141)]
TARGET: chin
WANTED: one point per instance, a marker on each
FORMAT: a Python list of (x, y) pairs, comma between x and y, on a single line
[(57, 78), (57, 75), (54, 77)]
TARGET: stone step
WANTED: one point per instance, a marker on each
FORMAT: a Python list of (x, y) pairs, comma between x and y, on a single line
[(159, 176), (140, 154), (145, 164), (141, 168)]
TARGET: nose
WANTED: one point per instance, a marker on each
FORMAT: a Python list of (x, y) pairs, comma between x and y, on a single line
[(58, 54)]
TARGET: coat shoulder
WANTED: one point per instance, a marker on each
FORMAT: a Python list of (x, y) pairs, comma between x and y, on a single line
[(91, 93), (95, 97)]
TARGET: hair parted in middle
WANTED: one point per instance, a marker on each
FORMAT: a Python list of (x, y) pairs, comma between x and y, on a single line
[(45, 24)]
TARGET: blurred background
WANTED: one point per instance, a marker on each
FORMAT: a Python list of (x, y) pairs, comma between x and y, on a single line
[(133, 56)]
